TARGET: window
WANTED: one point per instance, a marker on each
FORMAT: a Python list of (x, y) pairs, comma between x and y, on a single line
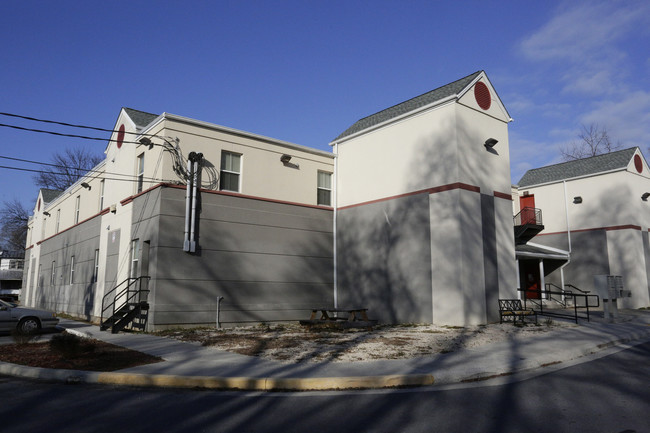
[(72, 270), (101, 195), (140, 174), (96, 267), (324, 190), (53, 277), (135, 257), (58, 220), (39, 277), (76, 209), (230, 171)]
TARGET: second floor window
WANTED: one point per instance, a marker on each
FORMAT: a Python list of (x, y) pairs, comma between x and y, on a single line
[(324, 190), (140, 174), (58, 220), (76, 209), (101, 195), (230, 171)]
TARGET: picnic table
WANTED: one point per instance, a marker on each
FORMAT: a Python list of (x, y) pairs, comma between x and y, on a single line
[(339, 317)]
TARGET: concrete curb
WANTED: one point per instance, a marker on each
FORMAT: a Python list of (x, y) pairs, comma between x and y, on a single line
[(207, 382)]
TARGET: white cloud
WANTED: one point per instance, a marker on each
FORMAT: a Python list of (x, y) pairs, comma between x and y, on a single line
[(583, 40)]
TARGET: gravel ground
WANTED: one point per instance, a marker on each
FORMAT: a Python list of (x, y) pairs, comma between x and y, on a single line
[(294, 343)]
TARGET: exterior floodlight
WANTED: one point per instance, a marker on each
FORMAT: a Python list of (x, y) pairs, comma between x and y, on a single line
[(577, 200), (490, 142), (285, 158), (85, 185), (147, 142), (46, 213), (645, 196)]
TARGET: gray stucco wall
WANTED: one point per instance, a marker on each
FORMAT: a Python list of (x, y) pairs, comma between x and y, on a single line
[(384, 259), (270, 261), (588, 257), (77, 298)]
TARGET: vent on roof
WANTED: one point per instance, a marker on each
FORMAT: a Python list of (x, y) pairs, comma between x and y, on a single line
[(482, 95)]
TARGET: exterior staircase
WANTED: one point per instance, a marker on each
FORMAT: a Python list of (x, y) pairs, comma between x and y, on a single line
[(126, 306), (528, 223)]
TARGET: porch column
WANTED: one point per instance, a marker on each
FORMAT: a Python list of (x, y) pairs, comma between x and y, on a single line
[(541, 275)]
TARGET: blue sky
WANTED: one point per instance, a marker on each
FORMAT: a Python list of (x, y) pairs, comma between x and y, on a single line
[(303, 71)]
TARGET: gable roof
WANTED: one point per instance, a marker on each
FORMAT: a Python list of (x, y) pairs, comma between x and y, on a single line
[(50, 194), (410, 105), (577, 168), (140, 118)]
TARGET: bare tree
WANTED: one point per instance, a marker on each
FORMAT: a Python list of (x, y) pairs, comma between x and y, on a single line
[(66, 168), (13, 225), (594, 140)]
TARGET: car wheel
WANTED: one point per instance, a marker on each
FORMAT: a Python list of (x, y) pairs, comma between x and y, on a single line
[(29, 325)]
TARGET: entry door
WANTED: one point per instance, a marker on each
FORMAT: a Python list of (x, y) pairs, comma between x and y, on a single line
[(527, 206), (531, 279)]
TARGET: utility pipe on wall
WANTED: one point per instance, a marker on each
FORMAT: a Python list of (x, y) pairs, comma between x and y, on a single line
[(188, 198), (336, 202)]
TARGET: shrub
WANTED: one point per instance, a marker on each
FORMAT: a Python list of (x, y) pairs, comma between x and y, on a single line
[(70, 346), (21, 337)]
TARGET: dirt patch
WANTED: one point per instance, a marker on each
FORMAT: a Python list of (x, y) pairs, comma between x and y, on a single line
[(102, 357), (294, 343)]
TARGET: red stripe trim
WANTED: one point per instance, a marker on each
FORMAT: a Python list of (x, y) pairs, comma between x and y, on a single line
[(434, 190), (503, 195)]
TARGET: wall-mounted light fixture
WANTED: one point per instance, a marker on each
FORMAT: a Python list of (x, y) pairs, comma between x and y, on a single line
[(147, 142), (285, 158), (645, 196), (46, 213), (85, 185), (490, 142), (577, 200)]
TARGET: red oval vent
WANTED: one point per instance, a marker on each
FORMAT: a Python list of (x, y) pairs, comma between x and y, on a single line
[(120, 136), (638, 164), (482, 95)]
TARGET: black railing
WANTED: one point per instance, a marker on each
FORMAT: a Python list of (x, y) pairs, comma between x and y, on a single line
[(579, 301), (528, 215), (128, 292)]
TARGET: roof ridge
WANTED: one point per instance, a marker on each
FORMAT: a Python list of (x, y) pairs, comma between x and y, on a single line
[(409, 105)]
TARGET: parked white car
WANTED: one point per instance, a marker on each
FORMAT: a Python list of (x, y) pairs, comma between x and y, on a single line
[(27, 320)]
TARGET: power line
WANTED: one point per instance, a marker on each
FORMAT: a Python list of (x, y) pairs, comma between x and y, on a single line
[(86, 171), (69, 124), (126, 179), (60, 134)]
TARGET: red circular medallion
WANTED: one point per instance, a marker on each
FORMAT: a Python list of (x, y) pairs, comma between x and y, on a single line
[(120, 136), (482, 95), (638, 164), (38, 206)]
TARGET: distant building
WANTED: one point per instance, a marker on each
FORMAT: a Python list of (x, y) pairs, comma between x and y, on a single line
[(11, 274), (595, 215)]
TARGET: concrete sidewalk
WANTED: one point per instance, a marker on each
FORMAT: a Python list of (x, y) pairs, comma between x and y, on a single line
[(192, 365)]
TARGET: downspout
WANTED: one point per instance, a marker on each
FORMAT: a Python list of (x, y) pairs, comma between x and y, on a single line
[(188, 198), (334, 227), (568, 230), (195, 180)]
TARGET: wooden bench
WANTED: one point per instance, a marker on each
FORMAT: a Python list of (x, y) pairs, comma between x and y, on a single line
[(513, 308), (329, 317)]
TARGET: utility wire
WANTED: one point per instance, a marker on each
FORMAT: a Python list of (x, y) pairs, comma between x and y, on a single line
[(86, 171), (151, 179), (60, 134), (70, 124)]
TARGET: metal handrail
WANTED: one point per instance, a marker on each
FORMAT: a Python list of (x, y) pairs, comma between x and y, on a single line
[(576, 305), (127, 294), (528, 215), (575, 288)]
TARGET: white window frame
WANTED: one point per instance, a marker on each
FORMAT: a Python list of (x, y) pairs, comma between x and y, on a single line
[(53, 276), (140, 173), (320, 188), (135, 258), (230, 172), (101, 195), (96, 267), (77, 209), (72, 269)]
